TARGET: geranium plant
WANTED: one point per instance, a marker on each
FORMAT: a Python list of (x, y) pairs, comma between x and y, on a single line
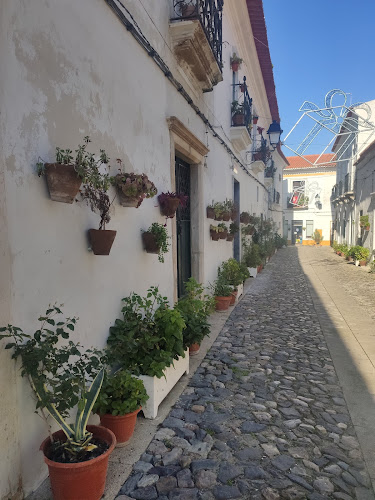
[(170, 201)]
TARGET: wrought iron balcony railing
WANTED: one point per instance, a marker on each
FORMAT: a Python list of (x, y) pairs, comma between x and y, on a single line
[(209, 13), (340, 191), (241, 109)]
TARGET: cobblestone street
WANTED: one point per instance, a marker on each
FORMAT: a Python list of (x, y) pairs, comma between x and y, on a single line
[(266, 414)]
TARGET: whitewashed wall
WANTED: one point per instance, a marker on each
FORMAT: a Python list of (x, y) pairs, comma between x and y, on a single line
[(74, 70)]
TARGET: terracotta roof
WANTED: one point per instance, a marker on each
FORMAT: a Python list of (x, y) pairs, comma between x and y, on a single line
[(258, 25), (323, 162)]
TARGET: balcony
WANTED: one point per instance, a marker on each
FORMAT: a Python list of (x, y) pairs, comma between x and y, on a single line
[(196, 32), (241, 118)]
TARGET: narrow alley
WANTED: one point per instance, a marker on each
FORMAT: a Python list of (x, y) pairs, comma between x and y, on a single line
[(282, 405)]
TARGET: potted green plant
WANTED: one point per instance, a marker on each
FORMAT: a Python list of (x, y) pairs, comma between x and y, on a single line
[(120, 399), (235, 62), (233, 274), (155, 240), (148, 341), (132, 188), (169, 202), (77, 455), (222, 292), (252, 258), (223, 230), (238, 114), (360, 255), (232, 209), (214, 232), (195, 307), (318, 237), (245, 218), (65, 176), (233, 229), (210, 211), (364, 222)]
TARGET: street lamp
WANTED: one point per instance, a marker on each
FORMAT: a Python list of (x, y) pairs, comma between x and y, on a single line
[(274, 132)]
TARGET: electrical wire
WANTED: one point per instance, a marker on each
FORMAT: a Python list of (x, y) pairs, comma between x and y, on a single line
[(137, 33)]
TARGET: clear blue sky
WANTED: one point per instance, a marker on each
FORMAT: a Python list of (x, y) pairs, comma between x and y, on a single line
[(317, 46)]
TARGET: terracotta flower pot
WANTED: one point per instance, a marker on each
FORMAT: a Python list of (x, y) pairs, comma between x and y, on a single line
[(230, 237), (102, 240), (222, 303), (238, 120), (233, 297), (223, 235), (150, 243), (363, 262), (169, 206), (63, 182), (245, 218), (226, 216), (194, 349), (210, 213), (188, 10), (84, 480), (214, 235), (122, 426), (255, 121), (128, 201), (235, 66)]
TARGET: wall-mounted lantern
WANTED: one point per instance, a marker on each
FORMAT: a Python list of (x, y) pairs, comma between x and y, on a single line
[(274, 132)]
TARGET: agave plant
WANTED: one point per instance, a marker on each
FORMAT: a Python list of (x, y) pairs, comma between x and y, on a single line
[(58, 376)]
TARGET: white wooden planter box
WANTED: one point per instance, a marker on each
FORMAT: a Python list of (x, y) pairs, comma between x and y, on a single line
[(253, 272), (158, 388), (239, 291)]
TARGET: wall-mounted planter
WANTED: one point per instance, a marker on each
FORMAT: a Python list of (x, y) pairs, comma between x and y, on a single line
[(126, 201), (169, 207), (230, 237), (150, 243), (101, 240), (63, 182), (210, 213), (223, 235), (158, 388), (215, 235)]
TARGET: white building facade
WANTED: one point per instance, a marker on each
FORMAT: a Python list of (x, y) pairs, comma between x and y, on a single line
[(351, 194), (306, 199), (154, 89)]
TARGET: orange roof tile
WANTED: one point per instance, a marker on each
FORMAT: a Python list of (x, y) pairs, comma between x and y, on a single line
[(307, 160)]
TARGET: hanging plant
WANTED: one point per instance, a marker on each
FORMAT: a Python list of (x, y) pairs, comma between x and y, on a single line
[(169, 202), (155, 240), (132, 188)]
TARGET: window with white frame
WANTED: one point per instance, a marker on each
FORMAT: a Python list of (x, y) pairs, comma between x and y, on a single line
[(309, 228)]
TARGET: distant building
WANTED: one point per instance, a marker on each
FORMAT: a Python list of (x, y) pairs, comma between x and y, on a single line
[(306, 198)]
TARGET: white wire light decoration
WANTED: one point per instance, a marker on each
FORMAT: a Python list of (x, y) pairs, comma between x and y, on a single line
[(341, 124)]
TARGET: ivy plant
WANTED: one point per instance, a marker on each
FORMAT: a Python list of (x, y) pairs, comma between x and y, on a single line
[(148, 337)]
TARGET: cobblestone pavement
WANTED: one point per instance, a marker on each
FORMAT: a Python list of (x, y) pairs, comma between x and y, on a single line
[(264, 416)]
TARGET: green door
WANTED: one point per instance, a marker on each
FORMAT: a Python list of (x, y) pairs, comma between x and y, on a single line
[(183, 226)]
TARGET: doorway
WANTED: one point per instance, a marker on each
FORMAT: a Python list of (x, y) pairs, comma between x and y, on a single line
[(183, 222), (237, 236), (297, 232)]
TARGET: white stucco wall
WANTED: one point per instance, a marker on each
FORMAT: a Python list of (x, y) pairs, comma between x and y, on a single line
[(74, 70)]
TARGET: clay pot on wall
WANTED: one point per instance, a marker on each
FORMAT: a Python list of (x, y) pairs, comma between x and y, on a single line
[(101, 240), (63, 182)]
